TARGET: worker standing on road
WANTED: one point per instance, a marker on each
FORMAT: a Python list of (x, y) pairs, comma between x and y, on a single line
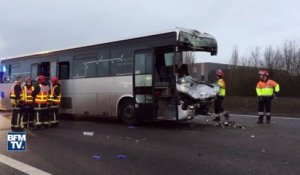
[(40, 98), (28, 112), (16, 102), (218, 105), (266, 90), (54, 101)]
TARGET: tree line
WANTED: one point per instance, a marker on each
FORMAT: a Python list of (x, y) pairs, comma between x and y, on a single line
[(283, 64)]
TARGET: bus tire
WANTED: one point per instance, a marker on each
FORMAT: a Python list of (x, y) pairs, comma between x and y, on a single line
[(127, 113)]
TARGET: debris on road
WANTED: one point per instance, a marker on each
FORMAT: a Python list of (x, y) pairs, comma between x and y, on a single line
[(120, 156), (131, 127), (97, 157), (107, 137), (86, 133), (252, 136), (229, 124)]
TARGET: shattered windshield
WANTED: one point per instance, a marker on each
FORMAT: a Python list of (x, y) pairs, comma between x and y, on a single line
[(198, 41)]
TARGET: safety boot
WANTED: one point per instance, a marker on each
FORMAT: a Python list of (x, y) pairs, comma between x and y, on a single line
[(260, 119)]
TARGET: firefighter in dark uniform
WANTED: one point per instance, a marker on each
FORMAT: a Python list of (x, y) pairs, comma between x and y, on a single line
[(16, 102), (28, 112), (40, 99), (54, 102)]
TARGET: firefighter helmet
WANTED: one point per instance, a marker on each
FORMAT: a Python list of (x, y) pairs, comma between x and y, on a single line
[(219, 73), (54, 80), (41, 79), (263, 72)]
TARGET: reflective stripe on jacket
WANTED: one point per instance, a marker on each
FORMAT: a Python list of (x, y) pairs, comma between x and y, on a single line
[(53, 98), (267, 88), (13, 94), (222, 91), (42, 96), (27, 94)]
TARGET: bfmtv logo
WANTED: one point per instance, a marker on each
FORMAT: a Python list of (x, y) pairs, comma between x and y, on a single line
[(16, 141)]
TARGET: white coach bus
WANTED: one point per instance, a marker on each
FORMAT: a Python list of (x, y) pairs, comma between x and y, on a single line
[(135, 79)]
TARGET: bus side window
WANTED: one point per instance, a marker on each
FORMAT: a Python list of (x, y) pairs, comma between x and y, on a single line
[(64, 70), (13, 71), (121, 60), (44, 69)]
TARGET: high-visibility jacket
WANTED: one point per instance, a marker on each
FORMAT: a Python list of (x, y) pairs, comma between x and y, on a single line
[(55, 98), (42, 96), (27, 94), (13, 94), (222, 91), (267, 88)]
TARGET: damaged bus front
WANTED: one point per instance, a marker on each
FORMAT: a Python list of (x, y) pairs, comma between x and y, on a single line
[(191, 96)]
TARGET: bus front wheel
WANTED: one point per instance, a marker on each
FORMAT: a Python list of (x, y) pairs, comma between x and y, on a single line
[(127, 113)]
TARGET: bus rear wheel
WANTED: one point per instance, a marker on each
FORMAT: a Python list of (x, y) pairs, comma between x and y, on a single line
[(127, 113)]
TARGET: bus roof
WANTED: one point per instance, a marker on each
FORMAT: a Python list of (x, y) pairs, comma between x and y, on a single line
[(177, 30)]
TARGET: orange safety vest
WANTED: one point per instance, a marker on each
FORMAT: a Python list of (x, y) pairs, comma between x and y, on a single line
[(267, 88), (42, 96), (27, 94), (51, 97)]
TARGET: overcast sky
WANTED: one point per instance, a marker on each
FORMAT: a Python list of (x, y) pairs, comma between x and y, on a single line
[(30, 26)]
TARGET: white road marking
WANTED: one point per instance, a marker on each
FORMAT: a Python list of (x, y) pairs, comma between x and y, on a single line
[(21, 166)]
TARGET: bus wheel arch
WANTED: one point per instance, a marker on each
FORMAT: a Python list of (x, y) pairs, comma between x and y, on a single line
[(126, 111)]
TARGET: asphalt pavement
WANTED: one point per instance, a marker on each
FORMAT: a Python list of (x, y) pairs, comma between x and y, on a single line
[(105, 146)]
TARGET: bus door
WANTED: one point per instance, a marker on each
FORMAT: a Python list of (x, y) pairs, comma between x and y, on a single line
[(144, 108)]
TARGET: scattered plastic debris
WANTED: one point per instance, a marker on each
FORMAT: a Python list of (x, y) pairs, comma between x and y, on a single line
[(131, 127), (136, 141), (97, 157), (121, 156), (107, 137), (263, 150), (86, 133), (252, 136), (229, 124), (127, 137)]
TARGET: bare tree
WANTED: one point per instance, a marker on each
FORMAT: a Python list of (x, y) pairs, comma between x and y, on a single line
[(255, 60), (289, 53), (245, 61), (278, 62), (235, 56), (269, 58), (297, 63)]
